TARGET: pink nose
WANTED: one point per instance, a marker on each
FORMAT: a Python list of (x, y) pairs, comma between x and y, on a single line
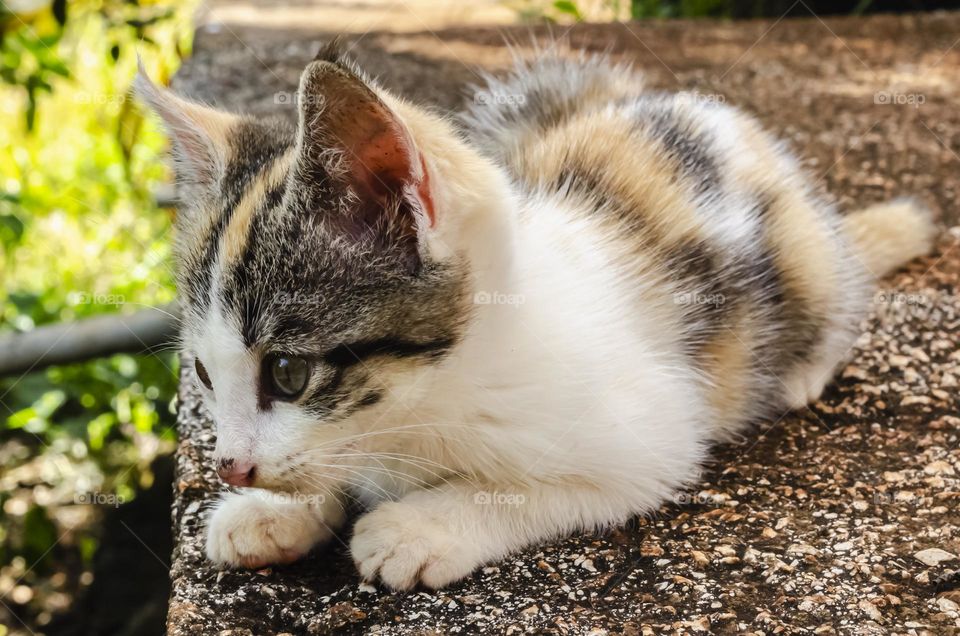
[(237, 473)]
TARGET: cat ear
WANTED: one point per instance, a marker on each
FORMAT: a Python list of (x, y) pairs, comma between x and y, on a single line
[(349, 134), (198, 136)]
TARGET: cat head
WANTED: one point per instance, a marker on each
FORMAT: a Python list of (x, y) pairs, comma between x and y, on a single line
[(324, 270)]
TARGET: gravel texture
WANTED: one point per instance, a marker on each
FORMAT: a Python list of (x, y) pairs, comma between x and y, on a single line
[(841, 518)]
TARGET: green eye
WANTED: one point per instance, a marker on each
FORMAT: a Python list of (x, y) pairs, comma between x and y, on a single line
[(288, 376)]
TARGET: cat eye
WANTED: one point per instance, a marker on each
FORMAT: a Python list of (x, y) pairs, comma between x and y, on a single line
[(202, 374), (286, 376)]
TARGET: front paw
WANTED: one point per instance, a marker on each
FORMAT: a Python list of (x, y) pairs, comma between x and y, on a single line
[(403, 547), (252, 530)]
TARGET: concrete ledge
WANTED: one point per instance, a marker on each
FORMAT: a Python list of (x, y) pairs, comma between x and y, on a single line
[(817, 522)]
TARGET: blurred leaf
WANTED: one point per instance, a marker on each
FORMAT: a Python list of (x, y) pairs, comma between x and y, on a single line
[(57, 67), (59, 9), (11, 230), (21, 418), (31, 112), (25, 302), (48, 41), (129, 124), (140, 23), (21, 393), (88, 548), (98, 428), (39, 536), (569, 8), (37, 83), (36, 418)]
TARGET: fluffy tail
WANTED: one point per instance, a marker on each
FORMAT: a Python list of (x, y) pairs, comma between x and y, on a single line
[(889, 235)]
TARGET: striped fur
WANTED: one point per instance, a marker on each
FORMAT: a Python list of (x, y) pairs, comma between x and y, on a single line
[(562, 302)]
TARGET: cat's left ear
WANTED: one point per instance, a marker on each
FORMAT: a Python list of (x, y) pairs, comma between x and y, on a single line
[(348, 134), (199, 137)]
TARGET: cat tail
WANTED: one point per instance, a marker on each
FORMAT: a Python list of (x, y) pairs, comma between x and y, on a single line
[(888, 235)]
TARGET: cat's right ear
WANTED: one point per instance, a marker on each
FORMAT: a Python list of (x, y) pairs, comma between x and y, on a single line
[(199, 137)]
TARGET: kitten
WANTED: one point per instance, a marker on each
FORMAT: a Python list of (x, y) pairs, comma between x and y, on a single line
[(501, 333)]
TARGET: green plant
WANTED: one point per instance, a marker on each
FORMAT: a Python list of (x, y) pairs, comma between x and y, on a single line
[(640, 9), (80, 234), (607, 10)]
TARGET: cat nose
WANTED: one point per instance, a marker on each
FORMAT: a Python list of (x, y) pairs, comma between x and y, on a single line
[(237, 473)]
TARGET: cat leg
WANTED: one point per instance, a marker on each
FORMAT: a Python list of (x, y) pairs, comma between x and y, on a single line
[(440, 535), (802, 389), (806, 384), (256, 528)]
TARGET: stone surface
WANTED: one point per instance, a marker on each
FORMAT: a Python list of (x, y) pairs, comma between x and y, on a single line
[(812, 522)]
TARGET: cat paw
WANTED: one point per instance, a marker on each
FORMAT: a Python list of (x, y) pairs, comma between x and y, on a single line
[(403, 547), (251, 531), (804, 390)]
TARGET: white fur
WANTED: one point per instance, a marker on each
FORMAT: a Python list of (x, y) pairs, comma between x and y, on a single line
[(259, 528)]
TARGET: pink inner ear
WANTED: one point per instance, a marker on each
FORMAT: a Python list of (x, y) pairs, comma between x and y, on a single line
[(384, 160), (381, 163)]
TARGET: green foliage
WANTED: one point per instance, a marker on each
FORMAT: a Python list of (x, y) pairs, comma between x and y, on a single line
[(80, 235), (680, 8), (606, 10), (28, 60), (569, 8), (40, 534)]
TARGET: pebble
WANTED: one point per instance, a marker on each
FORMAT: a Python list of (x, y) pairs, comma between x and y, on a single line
[(700, 558), (870, 610), (802, 548), (939, 467), (933, 556)]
